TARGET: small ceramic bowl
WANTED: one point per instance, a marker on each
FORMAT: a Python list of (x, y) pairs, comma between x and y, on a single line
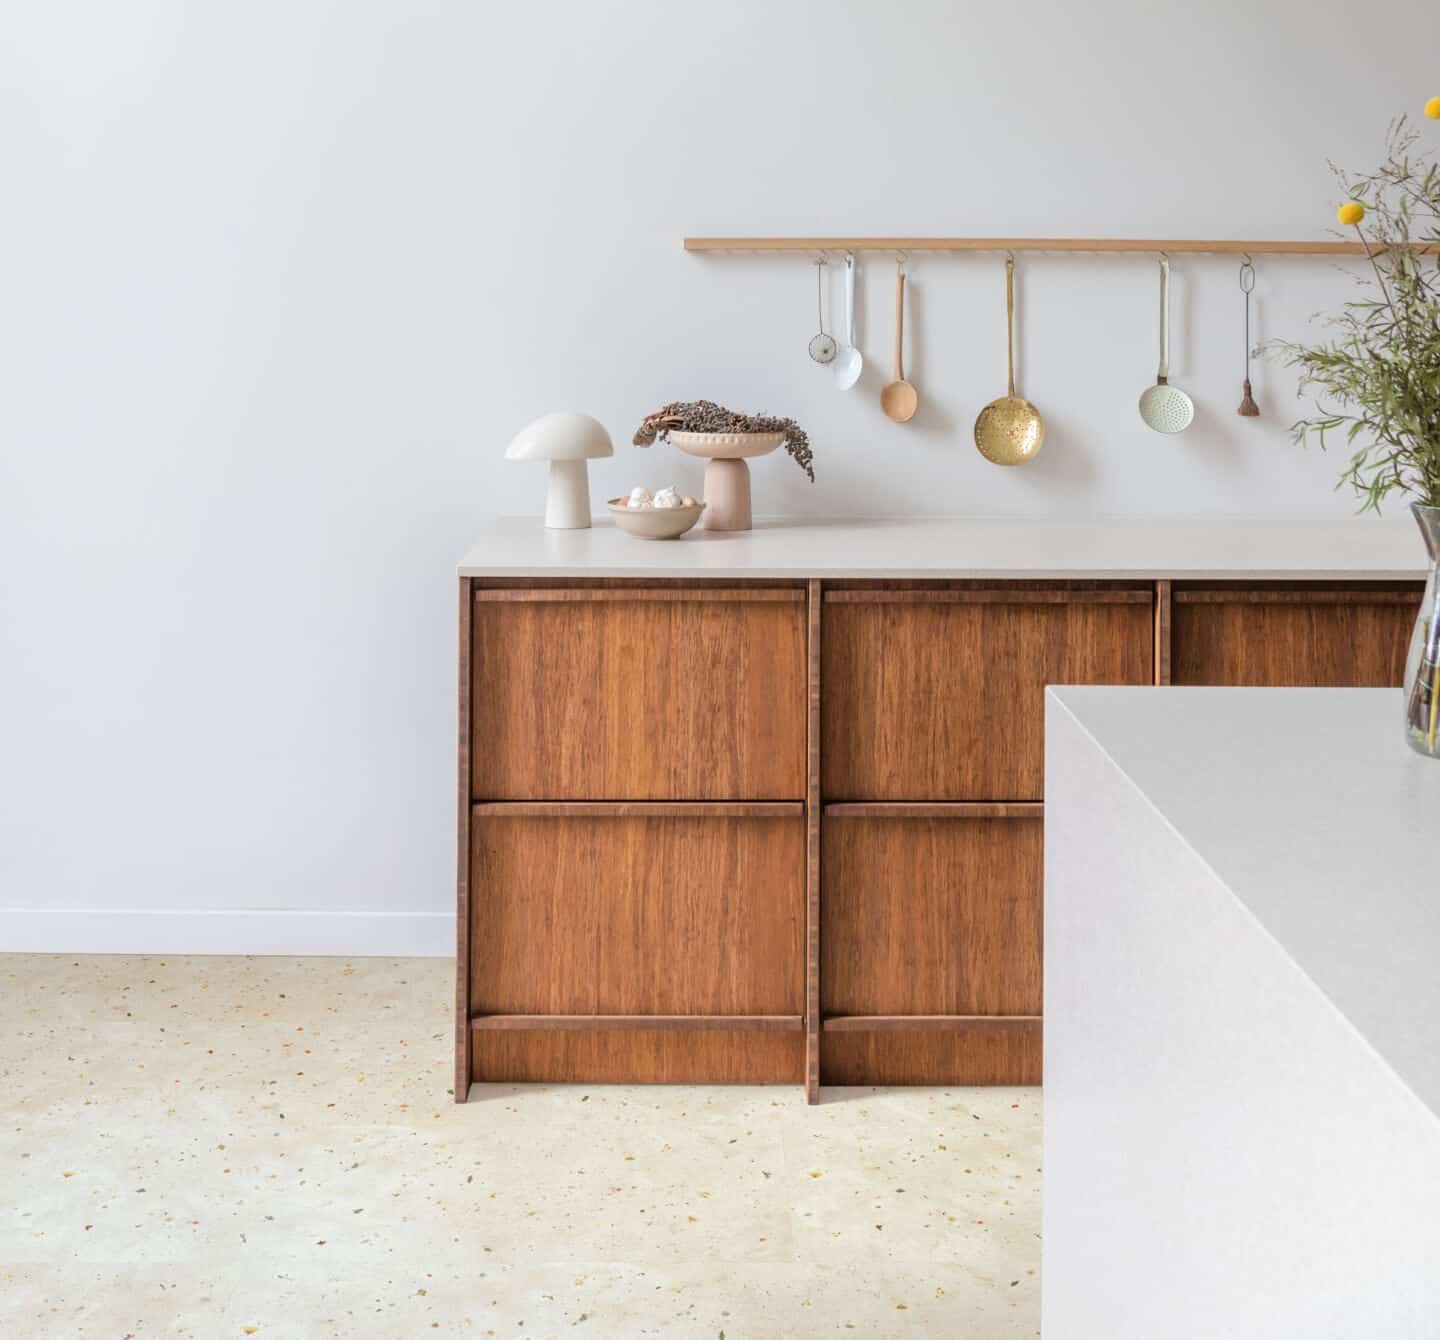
[(655, 523)]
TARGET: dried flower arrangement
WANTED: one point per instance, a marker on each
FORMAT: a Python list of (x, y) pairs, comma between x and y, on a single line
[(705, 416)]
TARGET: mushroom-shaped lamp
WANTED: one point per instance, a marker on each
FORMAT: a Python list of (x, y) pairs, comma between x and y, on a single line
[(567, 441)]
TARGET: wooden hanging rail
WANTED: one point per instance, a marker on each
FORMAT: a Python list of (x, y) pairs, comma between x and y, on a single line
[(1175, 246)]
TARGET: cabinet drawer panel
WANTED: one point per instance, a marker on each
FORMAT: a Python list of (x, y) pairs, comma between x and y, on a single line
[(635, 695), (1288, 637), (636, 915), (1002, 1056), (668, 1057), (930, 917), (944, 699)]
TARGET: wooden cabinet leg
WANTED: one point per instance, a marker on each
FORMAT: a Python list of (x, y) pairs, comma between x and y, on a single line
[(462, 861)]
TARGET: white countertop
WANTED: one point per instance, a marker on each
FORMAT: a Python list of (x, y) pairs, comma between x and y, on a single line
[(1308, 806), (1355, 548)]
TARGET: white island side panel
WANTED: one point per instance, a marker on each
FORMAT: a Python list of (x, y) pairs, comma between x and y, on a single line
[(1225, 1154)]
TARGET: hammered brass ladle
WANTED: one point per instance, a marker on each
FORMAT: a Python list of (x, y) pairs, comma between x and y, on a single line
[(1009, 431)]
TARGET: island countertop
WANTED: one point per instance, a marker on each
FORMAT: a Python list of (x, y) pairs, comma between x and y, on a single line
[(1242, 1054), (1367, 548), (1310, 809)]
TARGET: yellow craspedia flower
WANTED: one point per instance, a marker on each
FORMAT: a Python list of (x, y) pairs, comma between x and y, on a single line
[(1352, 211), (1432, 109)]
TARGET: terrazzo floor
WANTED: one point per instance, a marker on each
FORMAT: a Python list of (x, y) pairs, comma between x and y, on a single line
[(217, 1147)]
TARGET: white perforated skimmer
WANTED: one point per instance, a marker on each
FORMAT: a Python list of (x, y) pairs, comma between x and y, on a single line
[(1166, 408)]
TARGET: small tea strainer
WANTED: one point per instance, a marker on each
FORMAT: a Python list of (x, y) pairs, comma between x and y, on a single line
[(822, 346), (1166, 408)]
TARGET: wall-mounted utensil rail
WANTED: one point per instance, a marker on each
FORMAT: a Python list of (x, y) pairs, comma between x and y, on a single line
[(1175, 246)]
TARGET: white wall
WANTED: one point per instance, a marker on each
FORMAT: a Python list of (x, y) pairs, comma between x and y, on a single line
[(278, 280)]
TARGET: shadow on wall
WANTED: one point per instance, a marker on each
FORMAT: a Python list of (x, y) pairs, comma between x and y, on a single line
[(935, 413), (1069, 455)]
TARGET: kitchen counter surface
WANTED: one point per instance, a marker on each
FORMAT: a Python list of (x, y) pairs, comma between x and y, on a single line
[(1242, 1016), (1309, 807), (1366, 548)]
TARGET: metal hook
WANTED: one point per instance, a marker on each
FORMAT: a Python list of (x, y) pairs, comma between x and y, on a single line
[(900, 258), (1247, 275)]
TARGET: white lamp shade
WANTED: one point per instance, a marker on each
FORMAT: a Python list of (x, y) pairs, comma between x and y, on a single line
[(560, 437)]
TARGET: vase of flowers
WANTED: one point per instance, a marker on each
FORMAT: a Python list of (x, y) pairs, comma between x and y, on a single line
[(1377, 380)]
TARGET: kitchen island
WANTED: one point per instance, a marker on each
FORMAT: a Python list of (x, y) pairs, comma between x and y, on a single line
[(767, 806), (1242, 998)]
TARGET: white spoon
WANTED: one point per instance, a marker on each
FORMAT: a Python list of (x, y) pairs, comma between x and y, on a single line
[(848, 362)]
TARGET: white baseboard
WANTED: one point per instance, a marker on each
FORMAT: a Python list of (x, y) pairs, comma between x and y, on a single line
[(26, 930)]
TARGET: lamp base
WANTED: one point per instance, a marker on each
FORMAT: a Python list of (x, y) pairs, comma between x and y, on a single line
[(567, 500)]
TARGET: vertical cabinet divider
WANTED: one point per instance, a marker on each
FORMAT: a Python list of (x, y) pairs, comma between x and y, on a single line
[(1162, 631), (812, 846)]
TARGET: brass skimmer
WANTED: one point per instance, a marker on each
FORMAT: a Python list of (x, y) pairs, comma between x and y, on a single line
[(1010, 430)]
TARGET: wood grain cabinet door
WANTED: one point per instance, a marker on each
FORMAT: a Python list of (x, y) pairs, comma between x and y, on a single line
[(1272, 634), (638, 694), (637, 916), (938, 922), (939, 695)]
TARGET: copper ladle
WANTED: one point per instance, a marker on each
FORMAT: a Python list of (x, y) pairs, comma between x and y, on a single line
[(900, 400)]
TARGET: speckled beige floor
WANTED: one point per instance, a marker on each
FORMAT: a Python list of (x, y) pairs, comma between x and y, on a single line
[(218, 1147)]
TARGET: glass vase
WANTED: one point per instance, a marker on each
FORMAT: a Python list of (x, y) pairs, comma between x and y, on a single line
[(1422, 669)]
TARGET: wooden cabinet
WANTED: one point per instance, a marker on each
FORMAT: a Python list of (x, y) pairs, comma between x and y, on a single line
[(637, 941), (931, 944), (940, 694), (935, 915), (784, 831), (635, 866), (606, 911), (636, 693), (932, 768), (1292, 634)]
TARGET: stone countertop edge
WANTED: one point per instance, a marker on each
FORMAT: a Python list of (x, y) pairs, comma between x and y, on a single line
[(1349, 549)]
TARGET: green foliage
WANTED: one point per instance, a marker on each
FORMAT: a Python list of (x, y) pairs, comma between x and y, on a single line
[(1381, 370)]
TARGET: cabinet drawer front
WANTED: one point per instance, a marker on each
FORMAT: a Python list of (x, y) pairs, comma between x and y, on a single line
[(671, 1056), (943, 699), (620, 695), (931, 917), (636, 915), (1269, 637), (998, 1056)]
